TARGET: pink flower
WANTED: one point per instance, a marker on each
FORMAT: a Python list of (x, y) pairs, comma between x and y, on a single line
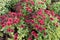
[(41, 22), (52, 13), (3, 25), (8, 23), (27, 21), (58, 17), (34, 16), (34, 34), (32, 21), (19, 14), (41, 29), (10, 19), (16, 20), (3, 17), (51, 18), (22, 26), (43, 16), (39, 12), (29, 38), (48, 12), (16, 36), (12, 14), (29, 9), (37, 26), (10, 30)]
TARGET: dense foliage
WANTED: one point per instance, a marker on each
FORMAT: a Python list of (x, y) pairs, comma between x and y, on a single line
[(56, 7), (3, 9)]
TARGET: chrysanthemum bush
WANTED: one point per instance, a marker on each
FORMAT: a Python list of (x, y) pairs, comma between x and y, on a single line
[(31, 21)]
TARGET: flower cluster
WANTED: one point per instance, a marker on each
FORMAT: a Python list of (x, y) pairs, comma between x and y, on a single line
[(30, 23)]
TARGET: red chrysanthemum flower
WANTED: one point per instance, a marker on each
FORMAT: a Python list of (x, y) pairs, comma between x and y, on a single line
[(10, 19), (9, 23), (34, 34), (41, 29), (41, 22), (3, 25), (29, 9), (39, 12), (37, 26), (51, 18), (22, 26), (16, 36), (16, 20), (48, 12), (10, 30), (52, 13)]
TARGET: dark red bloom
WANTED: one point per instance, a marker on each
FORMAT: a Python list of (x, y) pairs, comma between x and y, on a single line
[(34, 34), (22, 26), (39, 12), (16, 36), (16, 20), (45, 33), (3, 25), (41, 29), (52, 13), (41, 22), (12, 14), (51, 18), (29, 9), (27, 21), (8, 23), (19, 14), (43, 16), (34, 16), (37, 26), (32, 21), (48, 12), (10, 30), (10, 19), (2, 17)]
